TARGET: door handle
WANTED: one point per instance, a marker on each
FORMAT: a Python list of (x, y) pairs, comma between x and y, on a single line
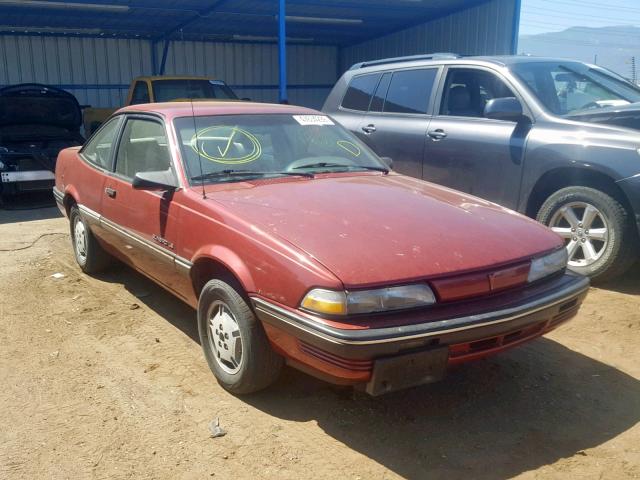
[(369, 129), (111, 193), (437, 134)]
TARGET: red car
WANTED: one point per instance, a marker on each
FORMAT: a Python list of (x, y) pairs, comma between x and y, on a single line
[(297, 244)]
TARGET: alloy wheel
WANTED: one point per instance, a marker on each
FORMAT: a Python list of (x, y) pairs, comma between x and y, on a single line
[(585, 231), (80, 240), (225, 340)]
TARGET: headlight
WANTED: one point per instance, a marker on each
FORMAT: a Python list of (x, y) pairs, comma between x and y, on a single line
[(368, 301), (544, 266), (328, 302), (1, 165)]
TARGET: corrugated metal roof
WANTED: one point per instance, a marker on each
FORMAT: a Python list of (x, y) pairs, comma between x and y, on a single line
[(345, 22)]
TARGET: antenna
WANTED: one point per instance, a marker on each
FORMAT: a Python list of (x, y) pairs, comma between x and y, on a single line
[(195, 132)]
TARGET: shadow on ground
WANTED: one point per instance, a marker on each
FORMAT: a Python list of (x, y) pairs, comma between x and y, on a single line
[(628, 283), (27, 207), (489, 420)]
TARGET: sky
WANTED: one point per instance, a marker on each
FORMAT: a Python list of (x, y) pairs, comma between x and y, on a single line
[(540, 16), (614, 47)]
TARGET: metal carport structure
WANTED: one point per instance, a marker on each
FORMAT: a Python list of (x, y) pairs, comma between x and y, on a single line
[(93, 48)]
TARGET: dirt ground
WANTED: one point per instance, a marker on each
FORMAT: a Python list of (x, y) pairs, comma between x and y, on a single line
[(103, 377)]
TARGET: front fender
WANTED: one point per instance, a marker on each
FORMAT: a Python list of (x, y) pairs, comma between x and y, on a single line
[(230, 260), (597, 150)]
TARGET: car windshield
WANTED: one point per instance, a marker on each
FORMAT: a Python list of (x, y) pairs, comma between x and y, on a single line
[(167, 90), (226, 148), (569, 87)]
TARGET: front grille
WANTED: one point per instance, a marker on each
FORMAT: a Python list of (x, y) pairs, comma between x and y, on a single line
[(466, 351), (564, 315), (349, 364)]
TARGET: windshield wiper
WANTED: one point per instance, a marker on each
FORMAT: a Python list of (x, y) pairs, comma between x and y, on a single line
[(245, 173), (342, 165)]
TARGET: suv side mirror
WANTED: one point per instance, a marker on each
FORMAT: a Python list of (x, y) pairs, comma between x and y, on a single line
[(507, 108), (388, 161), (158, 180)]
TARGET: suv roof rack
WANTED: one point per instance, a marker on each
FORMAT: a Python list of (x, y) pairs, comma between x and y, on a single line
[(427, 56)]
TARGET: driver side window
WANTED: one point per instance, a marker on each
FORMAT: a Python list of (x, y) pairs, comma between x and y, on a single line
[(468, 90), (143, 148)]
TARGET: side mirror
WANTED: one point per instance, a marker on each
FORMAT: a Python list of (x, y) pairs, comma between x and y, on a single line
[(388, 161), (159, 180), (507, 108)]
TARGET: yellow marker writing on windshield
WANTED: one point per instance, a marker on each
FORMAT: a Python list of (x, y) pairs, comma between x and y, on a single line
[(224, 154)]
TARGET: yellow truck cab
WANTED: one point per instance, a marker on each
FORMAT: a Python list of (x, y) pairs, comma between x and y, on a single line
[(162, 89), (167, 89)]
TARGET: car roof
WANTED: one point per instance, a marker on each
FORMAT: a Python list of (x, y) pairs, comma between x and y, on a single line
[(206, 108), (414, 61)]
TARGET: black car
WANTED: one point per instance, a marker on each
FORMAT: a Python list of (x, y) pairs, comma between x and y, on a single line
[(36, 122), (555, 139)]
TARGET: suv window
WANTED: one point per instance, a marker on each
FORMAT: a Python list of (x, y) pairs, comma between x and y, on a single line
[(140, 93), (360, 91), (565, 87), (467, 91), (98, 148), (143, 148), (410, 91), (381, 93)]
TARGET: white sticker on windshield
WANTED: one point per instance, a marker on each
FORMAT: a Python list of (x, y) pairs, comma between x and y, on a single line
[(313, 120)]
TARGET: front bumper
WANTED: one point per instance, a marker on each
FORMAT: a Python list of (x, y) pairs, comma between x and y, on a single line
[(28, 176), (350, 355), (26, 181)]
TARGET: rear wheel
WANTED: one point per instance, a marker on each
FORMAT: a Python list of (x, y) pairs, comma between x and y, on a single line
[(234, 342), (598, 231), (90, 256)]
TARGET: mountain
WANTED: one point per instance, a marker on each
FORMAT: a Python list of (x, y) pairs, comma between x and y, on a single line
[(611, 47)]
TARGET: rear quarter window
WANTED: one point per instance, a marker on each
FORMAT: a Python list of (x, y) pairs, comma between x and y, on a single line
[(360, 91)]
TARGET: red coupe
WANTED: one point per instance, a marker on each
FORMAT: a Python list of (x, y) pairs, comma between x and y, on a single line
[(297, 244)]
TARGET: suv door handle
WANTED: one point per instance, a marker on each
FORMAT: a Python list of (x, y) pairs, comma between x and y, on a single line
[(111, 193), (369, 128), (437, 134)]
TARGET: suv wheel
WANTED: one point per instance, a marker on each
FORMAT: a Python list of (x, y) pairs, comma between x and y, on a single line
[(598, 232), (89, 254), (234, 342)]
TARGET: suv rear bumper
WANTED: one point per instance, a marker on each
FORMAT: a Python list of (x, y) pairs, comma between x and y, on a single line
[(350, 356)]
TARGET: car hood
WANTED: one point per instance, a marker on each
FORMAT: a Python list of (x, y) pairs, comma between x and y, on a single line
[(35, 104), (627, 116), (376, 229)]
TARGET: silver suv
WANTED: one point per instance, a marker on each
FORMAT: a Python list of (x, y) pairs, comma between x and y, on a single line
[(555, 139)]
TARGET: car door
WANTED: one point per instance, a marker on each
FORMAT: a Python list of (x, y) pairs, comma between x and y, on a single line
[(90, 177), (355, 103), (146, 221), (399, 115), (467, 151)]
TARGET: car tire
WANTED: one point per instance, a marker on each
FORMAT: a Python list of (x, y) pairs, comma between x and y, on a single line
[(90, 256), (600, 224), (224, 318)]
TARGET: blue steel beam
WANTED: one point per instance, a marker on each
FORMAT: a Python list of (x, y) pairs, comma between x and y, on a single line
[(282, 51), (515, 32), (165, 51)]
